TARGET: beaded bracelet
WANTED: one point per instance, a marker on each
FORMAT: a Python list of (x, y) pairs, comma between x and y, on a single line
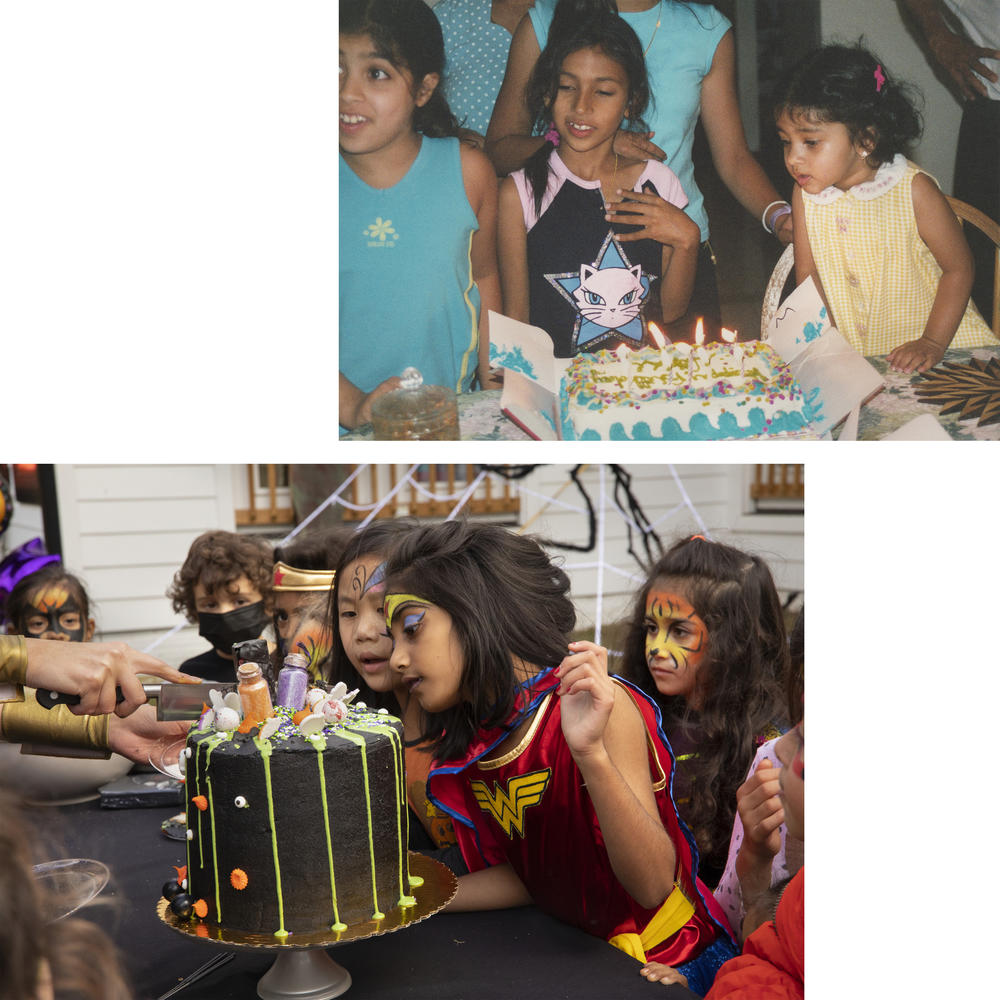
[(764, 218)]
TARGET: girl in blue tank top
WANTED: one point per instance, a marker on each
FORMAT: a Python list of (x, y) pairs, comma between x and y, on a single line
[(418, 270)]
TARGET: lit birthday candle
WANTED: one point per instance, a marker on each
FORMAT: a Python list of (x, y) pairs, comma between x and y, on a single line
[(729, 336), (624, 356), (699, 331), (658, 336)]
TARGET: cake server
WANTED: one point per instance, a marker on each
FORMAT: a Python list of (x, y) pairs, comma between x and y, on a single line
[(174, 702)]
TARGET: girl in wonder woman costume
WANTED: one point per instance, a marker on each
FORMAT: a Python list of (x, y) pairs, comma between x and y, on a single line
[(555, 773)]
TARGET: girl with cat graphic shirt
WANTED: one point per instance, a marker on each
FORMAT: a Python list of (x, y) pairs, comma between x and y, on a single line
[(418, 270), (592, 243)]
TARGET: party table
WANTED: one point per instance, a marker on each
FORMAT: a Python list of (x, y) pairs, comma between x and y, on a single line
[(518, 953), (962, 394)]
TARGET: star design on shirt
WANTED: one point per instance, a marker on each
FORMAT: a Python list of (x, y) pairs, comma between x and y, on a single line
[(610, 256)]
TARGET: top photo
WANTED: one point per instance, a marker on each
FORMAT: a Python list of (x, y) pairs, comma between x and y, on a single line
[(669, 221)]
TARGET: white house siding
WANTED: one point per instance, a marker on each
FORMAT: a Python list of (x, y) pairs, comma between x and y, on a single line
[(717, 493), (126, 530)]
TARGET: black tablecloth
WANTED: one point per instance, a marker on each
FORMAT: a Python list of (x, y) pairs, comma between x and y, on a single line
[(519, 953)]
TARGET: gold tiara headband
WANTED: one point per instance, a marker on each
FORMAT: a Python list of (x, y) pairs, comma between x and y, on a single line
[(289, 578), (393, 601)]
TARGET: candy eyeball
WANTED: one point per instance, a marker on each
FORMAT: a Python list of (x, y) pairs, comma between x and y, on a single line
[(241, 803), (190, 834), (186, 752)]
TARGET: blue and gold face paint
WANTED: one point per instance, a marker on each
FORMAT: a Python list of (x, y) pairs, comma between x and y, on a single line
[(393, 602)]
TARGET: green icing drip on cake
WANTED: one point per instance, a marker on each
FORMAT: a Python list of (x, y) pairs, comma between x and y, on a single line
[(359, 741), (265, 754), (338, 924)]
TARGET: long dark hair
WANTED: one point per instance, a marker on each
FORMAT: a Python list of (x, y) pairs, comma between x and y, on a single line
[(850, 85), (377, 539), (408, 35), (507, 602), (739, 686), (600, 28)]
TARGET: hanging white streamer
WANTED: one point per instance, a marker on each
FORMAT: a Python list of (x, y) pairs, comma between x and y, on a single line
[(690, 506), (600, 564), (466, 496)]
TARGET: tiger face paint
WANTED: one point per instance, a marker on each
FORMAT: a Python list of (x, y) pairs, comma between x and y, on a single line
[(676, 642), (55, 613)]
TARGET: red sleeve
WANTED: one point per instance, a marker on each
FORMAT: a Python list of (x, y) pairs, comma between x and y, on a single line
[(772, 966)]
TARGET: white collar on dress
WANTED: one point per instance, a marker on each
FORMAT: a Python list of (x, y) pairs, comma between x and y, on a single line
[(886, 177)]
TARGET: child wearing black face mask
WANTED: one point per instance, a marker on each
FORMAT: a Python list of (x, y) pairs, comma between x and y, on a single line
[(225, 585)]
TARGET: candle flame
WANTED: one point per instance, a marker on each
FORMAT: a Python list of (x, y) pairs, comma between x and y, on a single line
[(699, 331), (729, 336), (621, 352), (658, 336)]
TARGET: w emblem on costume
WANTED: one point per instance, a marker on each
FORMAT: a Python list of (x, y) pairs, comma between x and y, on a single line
[(507, 806)]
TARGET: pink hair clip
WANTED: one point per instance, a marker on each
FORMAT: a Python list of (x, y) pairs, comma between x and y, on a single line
[(879, 79), (552, 135)]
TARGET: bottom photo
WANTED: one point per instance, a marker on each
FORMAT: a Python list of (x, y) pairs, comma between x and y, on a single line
[(402, 730)]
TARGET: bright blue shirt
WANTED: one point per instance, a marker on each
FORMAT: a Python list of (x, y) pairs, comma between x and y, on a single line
[(475, 52), (678, 59), (407, 296)]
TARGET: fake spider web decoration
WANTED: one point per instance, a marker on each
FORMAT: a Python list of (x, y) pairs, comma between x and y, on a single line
[(972, 390), (614, 499)]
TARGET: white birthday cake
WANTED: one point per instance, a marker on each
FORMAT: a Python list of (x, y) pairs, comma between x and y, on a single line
[(682, 392)]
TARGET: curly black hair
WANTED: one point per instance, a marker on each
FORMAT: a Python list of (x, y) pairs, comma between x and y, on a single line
[(850, 85)]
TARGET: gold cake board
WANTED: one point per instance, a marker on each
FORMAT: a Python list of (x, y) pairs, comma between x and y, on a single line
[(302, 970)]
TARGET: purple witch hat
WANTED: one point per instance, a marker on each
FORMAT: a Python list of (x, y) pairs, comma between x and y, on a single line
[(16, 565)]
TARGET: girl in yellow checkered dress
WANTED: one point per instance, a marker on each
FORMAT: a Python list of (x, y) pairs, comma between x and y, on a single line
[(872, 229)]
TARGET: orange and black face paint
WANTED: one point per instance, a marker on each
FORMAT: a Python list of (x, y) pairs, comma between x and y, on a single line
[(53, 612), (673, 628)]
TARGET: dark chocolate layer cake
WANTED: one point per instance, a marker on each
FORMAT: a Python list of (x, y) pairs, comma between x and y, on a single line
[(298, 834)]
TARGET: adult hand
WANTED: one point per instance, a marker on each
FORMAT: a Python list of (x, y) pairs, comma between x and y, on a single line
[(963, 61), (588, 695), (141, 738), (658, 220), (916, 356), (637, 146), (759, 806), (93, 670)]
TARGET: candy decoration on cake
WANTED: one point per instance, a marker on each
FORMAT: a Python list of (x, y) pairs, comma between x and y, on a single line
[(297, 823), (970, 390)]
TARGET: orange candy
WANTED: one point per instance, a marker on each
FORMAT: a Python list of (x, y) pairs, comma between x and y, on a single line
[(300, 715), (200, 801), (238, 878), (201, 908)]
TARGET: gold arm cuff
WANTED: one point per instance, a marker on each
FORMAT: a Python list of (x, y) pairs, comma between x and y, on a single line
[(28, 722), (13, 659)]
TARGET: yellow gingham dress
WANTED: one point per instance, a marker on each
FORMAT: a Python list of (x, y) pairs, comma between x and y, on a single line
[(879, 277)]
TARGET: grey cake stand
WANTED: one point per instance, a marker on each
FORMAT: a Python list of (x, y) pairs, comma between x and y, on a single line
[(302, 969)]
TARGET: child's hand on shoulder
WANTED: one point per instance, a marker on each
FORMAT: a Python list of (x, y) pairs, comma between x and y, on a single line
[(916, 356), (658, 219), (657, 972)]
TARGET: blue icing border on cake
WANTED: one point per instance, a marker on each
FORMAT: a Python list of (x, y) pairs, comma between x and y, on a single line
[(702, 429)]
